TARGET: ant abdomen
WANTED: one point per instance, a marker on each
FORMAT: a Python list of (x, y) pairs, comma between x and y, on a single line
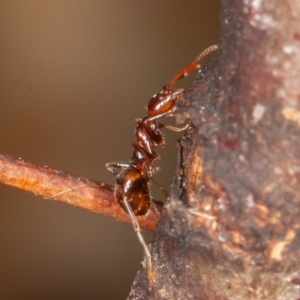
[(133, 187)]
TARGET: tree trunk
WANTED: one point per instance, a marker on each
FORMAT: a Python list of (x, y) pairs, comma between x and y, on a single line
[(230, 229)]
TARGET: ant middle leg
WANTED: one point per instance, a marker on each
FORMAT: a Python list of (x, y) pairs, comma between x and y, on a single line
[(164, 191), (115, 167)]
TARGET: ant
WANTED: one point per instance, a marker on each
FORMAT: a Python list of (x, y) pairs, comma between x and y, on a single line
[(133, 179)]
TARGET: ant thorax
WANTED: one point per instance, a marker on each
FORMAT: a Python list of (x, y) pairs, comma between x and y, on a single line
[(148, 134)]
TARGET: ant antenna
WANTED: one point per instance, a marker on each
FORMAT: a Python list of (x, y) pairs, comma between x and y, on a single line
[(194, 65)]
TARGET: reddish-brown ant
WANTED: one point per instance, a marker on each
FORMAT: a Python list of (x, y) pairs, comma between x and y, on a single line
[(132, 179)]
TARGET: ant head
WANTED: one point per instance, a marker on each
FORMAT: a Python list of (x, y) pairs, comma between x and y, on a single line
[(164, 101)]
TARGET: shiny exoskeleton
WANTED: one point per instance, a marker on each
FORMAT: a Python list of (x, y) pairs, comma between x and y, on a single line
[(132, 179)]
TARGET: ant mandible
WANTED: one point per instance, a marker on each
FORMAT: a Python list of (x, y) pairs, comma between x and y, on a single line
[(133, 179)]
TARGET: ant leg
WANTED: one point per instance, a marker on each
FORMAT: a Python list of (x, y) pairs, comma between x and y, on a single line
[(152, 204), (137, 229), (114, 167), (161, 187), (173, 128), (200, 214)]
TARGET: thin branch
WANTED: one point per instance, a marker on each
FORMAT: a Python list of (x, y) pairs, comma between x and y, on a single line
[(70, 189)]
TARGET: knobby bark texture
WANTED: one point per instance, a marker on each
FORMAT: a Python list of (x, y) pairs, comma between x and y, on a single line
[(231, 228)]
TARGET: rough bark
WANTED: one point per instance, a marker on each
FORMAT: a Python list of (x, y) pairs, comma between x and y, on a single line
[(230, 229)]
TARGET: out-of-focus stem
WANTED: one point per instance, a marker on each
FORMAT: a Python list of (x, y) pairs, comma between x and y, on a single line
[(57, 185)]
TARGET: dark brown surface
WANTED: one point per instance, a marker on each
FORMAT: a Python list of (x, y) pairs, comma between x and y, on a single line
[(231, 227)]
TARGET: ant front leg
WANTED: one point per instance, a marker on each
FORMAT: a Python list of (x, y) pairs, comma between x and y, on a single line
[(173, 128)]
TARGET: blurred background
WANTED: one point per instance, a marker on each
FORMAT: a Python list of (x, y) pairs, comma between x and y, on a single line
[(74, 75)]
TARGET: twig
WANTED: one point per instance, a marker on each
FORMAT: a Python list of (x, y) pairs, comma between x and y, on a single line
[(70, 189)]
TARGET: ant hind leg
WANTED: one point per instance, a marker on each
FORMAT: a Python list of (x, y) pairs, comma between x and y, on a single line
[(137, 229), (161, 187)]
